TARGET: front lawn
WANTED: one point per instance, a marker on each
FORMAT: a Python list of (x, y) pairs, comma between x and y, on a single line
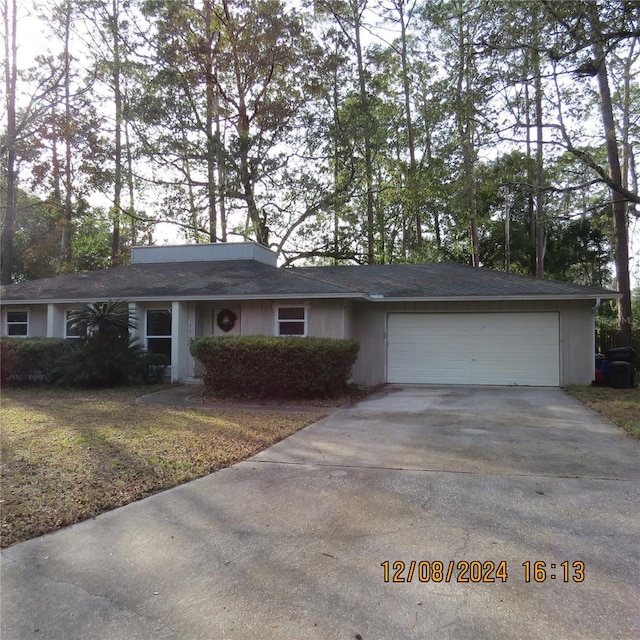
[(68, 455), (621, 406)]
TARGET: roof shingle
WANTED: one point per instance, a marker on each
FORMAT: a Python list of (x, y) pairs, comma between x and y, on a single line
[(246, 279), (441, 280)]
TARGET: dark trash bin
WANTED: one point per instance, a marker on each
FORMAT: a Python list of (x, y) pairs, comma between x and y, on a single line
[(600, 363), (620, 354), (620, 374)]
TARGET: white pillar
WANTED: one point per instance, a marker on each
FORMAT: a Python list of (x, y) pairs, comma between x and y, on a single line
[(55, 321), (138, 316), (180, 356)]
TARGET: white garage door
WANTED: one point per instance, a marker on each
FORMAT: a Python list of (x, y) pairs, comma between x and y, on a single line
[(473, 348)]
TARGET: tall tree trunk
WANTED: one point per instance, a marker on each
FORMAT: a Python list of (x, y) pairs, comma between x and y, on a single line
[(55, 166), (336, 168), (247, 171), (131, 209), (364, 105), (507, 230), (211, 113), (211, 165), (530, 174), (466, 131), (220, 163), (619, 204), (247, 179), (540, 225), (117, 187), (193, 209), (67, 220), (437, 230), (11, 71), (411, 182), (629, 177)]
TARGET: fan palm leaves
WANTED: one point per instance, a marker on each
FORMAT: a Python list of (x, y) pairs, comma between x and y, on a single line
[(107, 355), (112, 319)]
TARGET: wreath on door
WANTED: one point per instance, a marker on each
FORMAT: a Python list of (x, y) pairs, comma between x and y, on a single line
[(226, 320)]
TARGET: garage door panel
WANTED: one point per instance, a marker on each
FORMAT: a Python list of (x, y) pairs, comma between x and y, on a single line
[(473, 348)]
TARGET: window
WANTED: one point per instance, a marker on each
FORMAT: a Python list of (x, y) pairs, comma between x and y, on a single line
[(291, 321), (73, 333), (158, 335), (18, 324)]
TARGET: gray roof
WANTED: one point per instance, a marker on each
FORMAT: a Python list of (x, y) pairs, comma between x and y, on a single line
[(249, 279), (445, 280)]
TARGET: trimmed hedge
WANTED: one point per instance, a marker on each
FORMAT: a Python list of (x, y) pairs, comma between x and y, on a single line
[(283, 367), (25, 360), (8, 360), (32, 359)]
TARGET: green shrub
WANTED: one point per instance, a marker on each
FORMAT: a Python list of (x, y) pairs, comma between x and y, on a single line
[(8, 360), (101, 361), (276, 367), (32, 359), (153, 367), (107, 356)]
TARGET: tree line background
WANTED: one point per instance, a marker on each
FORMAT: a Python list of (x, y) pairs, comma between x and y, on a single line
[(494, 133)]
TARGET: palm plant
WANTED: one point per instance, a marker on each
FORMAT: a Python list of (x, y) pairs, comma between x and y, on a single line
[(107, 355), (112, 319)]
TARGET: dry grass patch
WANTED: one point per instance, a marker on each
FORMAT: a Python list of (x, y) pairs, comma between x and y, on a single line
[(68, 455), (621, 406)]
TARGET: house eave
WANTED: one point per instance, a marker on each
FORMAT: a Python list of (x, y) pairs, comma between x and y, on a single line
[(494, 298), (190, 298), (374, 298)]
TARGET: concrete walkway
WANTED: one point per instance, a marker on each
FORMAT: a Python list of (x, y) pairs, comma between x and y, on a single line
[(291, 543)]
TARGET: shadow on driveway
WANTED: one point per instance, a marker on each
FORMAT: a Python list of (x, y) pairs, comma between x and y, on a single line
[(292, 542)]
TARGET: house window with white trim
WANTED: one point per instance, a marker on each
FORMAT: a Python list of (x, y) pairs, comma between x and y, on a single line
[(158, 332), (73, 333), (18, 324), (291, 321)]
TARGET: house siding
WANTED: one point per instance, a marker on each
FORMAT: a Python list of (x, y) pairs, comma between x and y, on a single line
[(257, 318), (365, 322), (577, 343), (325, 318), (370, 331), (576, 334), (329, 319), (203, 253), (37, 319)]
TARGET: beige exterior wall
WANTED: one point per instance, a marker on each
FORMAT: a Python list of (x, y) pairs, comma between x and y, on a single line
[(330, 319), (257, 318), (365, 322), (576, 334), (325, 318), (577, 343), (37, 319), (369, 329)]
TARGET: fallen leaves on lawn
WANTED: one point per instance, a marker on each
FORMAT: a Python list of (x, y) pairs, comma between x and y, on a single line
[(68, 455)]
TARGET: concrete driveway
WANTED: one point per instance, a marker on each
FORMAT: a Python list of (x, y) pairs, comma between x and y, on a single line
[(291, 543)]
